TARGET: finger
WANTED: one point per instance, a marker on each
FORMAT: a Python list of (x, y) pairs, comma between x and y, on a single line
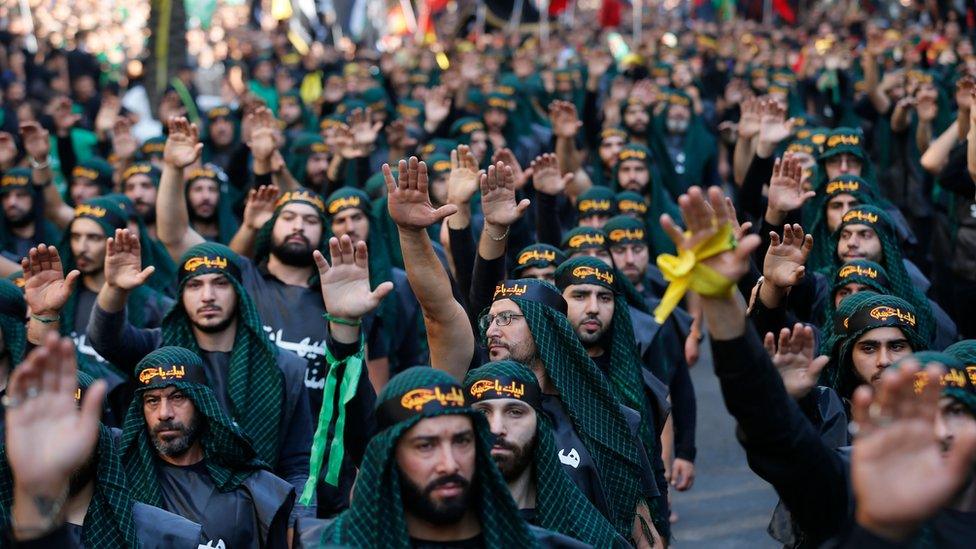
[(861, 403), (67, 366), (454, 160), (111, 248), (50, 377), (44, 257), (25, 375), (361, 255), (807, 245), (412, 173), (747, 245), (422, 178), (388, 179), (796, 339), (483, 182), (335, 252), (146, 273), (523, 205), (817, 365), (320, 262), (774, 240), (716, 199), (672, 230), (71, 280), (445, 211), (381, 291), (784, 341), (769, 344), (346, 249)]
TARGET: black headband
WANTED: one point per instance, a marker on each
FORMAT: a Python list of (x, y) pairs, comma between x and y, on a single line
[(585, 274), (421, 401), (100, 215), (532, 292), (207, 264), (875, 317), (505, 387), (165, 375)]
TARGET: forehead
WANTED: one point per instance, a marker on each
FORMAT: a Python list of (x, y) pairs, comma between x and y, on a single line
[(140, 180), (440, 426), (503, 305), (587, 289), (298, 208), (612, 140), (537, 271), (348, 213), (855, 228), (499, 404), (203, 182), (158, 393), (842, 198), (883, 334), (85, 226), (209, 277), (633, 164)]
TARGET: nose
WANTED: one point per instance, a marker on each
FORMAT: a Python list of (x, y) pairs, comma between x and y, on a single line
[(446, 463), (165, 410), (843, 165), (496, 424), (493, 329), (629, 257), (592, 306), (884, 357), (208, 294)]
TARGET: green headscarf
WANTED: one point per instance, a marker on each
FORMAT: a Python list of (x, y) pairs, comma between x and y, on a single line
[(227, 224), (585, 393), (842, 140), (699, 145), (228, 455), (860, 271), (262, 245), (560, 505), (142, 167), (96, 169), (153, 147), (631, 204), (537, 256), (891, 260), (304, 146), (13, 311), (255, 383), (965, 353), (375, 517), (816, 215), (596, 201), (656, 198), (108, 520), (44, 230), (857, 315)]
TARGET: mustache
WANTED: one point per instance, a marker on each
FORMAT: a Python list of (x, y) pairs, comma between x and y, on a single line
[(168, 426), (449, 479), (299, 235), (495, 340), (593, 319)]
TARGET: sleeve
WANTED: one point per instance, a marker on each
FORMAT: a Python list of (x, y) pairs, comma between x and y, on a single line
[(66, 157), (463, 251), (767, 320), (591, 121), (955, 176), (58, 538), (685, 413), (751, 201), (119, 342), (547, 226), (781, 445), (295, 452), (487, 274), (860, 538), (238, 167)]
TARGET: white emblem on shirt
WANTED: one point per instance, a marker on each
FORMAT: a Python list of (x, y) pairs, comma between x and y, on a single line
[(213, 544), (572, 459)]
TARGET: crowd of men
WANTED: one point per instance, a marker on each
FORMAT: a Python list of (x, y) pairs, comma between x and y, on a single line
[(448, 295)]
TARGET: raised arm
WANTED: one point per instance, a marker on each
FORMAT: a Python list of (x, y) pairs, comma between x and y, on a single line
[(258, 210), (37, 143), (449, 334), (565, 125), (46, 290), (173, 228)]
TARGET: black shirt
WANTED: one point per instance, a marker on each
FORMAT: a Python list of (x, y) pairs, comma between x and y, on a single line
[(476, 542)]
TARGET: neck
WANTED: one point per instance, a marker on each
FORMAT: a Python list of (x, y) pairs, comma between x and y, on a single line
[(151, 230), (523, 490), (966, 500), (4, 370), (26, 231), (293, 276), (193, 455), (466, 528), (76, 507), (94, 282), (542, 376), (206, 228), (222, 342), (594, 351)]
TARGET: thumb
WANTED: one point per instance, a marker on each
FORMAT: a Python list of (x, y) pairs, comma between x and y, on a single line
[(445, 211), (817, 366), (146, 273), (382, 291), (808, 195), (320, 262), (568, 178), (71, 280), (523, 205)]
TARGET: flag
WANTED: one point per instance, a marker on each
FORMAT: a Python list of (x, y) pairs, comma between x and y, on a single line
[(610, 13)]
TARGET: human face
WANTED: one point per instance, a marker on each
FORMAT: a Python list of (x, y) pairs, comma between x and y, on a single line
[(82, 189), (631, 260), (171, 421), (953, 418), (352, 222), (540, 273), (859, 242), (598, 253), (878, 349), (495, 119), (436, 458), (837, 207), (512, 342), (633, 175), (17, 206), (609, 149), (141, 191), (841, 164), (316, 169), (590, 311), (295, 234), (636, 118), (513, 423), (479, 145), (290, 112), (210, 301), (87, 245), (594, 221), (678, 119), (438, 189), (846, 290), (202, 197), (221, 132)]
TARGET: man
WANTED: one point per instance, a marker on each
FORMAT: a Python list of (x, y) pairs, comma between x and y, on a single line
[(308, 162), (595, 207), (428, 476), (636, 173), (61, 483), (22, 223), (282, 283), (525, 452), (182, 453), (59, 304), (13, 333), (636, 118), (836, 199), (221, 138), (89, 179), (140, 183), (208, 205), (611, 142), (586, 242), (685, 151), (538, 261), (260, 388)]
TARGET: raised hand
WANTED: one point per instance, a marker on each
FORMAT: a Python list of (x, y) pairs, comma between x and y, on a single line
[(263, 138), (123, 261), (437, 105), (108, 113), (774, 128), (749, 120), (498, 196), (64, 118), (124, 144), (183, 145), (37, 141), (364, 130), (8, 150), (598, 64), (739, 229), (409, 200), (507, 157), (895, 440), (463, 181), (260, 206), (703, 219), (565, 122), (793, 359), (786, 258), (645, 91), (546, 176), (48, 436), (964, 92), (345, 142), (926, 107), (345, 283), (786, 189), (46, 288)]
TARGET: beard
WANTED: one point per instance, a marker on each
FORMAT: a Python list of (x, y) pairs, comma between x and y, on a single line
[(589, 339), (295, 254), (19, 219), (149, 217), (194, 216), (176, 446), (677, 127), (214, 328), (444, 513), (512, 467)]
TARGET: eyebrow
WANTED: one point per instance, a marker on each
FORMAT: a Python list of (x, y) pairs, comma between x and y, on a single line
[(883, 341)]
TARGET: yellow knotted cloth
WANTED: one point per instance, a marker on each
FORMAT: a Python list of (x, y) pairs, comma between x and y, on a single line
[(686, 272)]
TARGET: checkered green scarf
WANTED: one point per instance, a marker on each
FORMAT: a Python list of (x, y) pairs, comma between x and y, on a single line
[(815, 217), (965, 352), (375, 517), (13, 310), (256, 384), (228, 455), (108, 521), (593, 408), (560, 505)]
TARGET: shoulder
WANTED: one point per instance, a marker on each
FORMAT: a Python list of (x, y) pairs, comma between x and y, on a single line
[(157, 528), (309, 531), (548, 538)]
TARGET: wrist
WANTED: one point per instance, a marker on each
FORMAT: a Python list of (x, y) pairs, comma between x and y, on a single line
[(37, 508), (891, 532), (774, 217), (262, 167), (765, 149)]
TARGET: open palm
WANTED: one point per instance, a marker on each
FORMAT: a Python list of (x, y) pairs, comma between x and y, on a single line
[(785, 187), (46, 288), (345, 283), (498, 196), (409, 200), (123, 261), (183, 145), (785, 260), (463, 181)]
